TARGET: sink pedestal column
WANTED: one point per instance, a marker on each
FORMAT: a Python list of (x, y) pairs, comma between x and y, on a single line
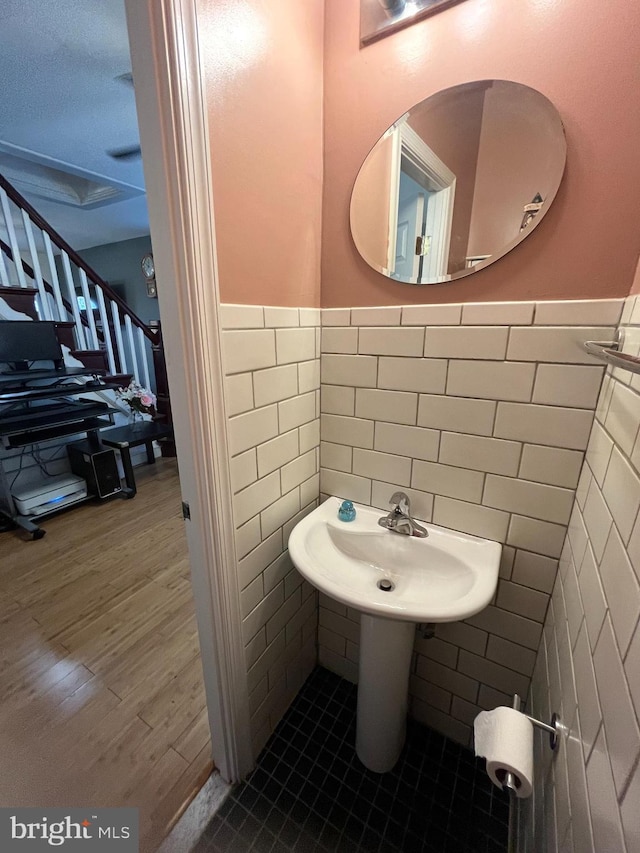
[(386, 646)]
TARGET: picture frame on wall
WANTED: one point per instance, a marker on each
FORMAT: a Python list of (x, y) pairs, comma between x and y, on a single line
[(380, 18)]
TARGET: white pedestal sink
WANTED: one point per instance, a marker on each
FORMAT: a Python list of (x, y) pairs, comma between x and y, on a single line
[(383, 690), (395, 581)]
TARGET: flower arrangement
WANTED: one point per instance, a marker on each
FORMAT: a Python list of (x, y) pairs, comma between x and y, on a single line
[(140, 400)]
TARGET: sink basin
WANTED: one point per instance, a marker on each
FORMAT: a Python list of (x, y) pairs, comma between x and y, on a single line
[(395, 581), (444, 578)]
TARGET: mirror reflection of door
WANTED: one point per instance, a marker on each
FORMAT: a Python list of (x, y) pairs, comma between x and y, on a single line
[(421, 213)]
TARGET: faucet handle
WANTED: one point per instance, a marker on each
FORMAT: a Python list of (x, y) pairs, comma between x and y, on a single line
[(399, 501)]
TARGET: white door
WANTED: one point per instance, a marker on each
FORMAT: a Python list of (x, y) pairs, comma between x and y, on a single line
[(411, 211), (432, 264)]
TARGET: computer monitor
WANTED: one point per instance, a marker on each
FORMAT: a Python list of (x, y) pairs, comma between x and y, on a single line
[(25, 341)]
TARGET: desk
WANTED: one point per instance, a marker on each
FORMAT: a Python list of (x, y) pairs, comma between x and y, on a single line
[(21, 424), (133, 435)]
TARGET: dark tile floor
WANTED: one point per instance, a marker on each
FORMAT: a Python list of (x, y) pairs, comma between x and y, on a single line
[(309, 792)]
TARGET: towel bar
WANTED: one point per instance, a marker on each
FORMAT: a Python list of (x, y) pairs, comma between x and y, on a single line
[(609, 351)]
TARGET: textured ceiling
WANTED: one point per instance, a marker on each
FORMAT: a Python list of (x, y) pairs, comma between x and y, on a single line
[(61, 100)]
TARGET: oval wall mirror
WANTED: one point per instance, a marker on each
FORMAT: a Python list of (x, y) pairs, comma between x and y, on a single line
[(458, 181)]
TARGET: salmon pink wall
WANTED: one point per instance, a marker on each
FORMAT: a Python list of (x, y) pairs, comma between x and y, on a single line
[(263, 68), (514, 132), (582, 56)]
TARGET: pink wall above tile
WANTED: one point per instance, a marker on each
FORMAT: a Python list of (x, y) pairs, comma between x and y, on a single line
[(274, 206), (263, 67), (580, 55)]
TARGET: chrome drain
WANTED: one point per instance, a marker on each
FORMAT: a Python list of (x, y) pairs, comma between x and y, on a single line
[(386, 585)]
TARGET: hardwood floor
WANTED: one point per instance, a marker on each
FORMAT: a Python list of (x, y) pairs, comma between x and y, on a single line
[(100, 677)]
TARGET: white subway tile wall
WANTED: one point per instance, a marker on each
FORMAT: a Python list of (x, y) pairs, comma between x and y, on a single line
[(486, 432), (272, 397), (588, 665), (481, 414)]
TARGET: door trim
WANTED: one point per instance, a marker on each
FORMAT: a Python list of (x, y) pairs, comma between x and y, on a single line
[(172, 114), (441, 203), (406, 142)]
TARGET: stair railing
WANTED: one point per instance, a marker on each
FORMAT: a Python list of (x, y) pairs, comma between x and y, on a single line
[(34, 255)]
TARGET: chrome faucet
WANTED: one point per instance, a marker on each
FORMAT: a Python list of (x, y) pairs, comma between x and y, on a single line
[(399, 519)]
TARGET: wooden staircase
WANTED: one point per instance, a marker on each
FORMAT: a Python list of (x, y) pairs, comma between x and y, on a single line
[(41, 277)]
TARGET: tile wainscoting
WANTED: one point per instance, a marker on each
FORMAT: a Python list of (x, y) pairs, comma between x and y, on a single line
[(272, 381), (587, 798), (482, 414)]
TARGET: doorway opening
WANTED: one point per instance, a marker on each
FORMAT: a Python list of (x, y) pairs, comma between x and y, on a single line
[(421, 208)]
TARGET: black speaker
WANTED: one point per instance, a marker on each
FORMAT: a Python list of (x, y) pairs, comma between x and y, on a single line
[(97, 465)]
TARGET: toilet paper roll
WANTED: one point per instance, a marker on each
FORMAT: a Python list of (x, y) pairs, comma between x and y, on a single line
[(504, 737)]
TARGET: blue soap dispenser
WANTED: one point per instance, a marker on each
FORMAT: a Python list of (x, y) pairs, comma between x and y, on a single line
[(347, 511)]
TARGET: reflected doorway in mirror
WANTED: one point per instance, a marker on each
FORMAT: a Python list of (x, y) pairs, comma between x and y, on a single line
[(421, 200)]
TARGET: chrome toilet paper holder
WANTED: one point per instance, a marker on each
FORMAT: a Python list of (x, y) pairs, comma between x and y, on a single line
[(510, 782), (552, 727)]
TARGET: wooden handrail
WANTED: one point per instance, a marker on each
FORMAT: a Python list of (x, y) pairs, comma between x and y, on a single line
[(48, 287), (61, 243)]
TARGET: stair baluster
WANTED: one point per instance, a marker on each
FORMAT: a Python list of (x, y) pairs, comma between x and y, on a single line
[(53, 277), (11, 233), (132, 347), (4, 273), (120, 343), (71, 296), (35, 266), (106, 331), (88, 309)]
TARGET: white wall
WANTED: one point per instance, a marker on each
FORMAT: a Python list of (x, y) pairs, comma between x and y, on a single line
[(272, 368), (481, 413), (587, 798)]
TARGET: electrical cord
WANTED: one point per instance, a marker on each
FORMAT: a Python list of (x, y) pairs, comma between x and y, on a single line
[(43, 461), (22, 452), (38, 458), (39, 462)]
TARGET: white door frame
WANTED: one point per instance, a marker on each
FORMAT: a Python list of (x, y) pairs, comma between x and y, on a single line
[(406, 142), (172, 114)]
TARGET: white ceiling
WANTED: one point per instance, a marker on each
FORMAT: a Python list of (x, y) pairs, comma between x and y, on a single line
[(62, 105)]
